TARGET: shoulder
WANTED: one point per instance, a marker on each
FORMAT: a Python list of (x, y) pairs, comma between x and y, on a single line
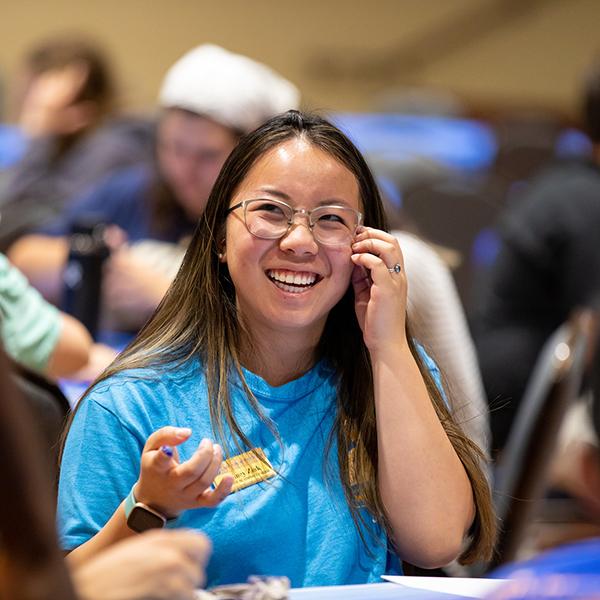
[(147, 387), (562, 201), (434, 371), (121, 192), (130, 180), (558, 189), (118, 141)]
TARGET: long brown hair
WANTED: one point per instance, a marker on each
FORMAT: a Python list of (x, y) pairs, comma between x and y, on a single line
[(197, 317)]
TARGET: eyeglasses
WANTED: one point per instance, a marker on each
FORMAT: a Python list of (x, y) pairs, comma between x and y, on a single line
[(272, 219)]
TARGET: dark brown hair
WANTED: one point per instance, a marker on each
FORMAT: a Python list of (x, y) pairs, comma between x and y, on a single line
[(98, 86)]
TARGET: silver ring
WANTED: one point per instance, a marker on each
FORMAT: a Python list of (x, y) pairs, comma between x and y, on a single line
[(396, 268)]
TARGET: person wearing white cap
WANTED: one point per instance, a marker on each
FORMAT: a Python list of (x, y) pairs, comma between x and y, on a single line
[(208, 99)]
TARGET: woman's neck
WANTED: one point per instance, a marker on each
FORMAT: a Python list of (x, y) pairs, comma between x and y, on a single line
[(279, 358)]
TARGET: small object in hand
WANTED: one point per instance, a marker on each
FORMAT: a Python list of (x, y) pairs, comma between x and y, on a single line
[(396, 268), (168, 450)]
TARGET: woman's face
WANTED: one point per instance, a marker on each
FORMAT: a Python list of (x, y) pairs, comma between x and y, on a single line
[(191, 151), (290, 284)]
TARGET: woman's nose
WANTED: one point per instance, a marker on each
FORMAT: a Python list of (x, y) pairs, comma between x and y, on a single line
[(299, 238)]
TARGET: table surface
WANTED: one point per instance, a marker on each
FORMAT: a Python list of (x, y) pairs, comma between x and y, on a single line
[(403, 588)]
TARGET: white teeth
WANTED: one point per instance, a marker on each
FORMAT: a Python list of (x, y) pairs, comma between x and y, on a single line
[(292, 278)]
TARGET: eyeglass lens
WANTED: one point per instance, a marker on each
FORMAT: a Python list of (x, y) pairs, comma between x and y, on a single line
[(330, 224)]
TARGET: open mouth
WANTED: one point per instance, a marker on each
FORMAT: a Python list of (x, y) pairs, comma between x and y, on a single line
[(294, 282)]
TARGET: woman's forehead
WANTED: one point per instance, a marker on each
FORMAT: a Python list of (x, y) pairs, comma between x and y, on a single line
[(299, 165)]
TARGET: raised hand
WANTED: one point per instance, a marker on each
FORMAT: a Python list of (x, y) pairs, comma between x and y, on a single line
[(172, 487), (51, 106), (380, 287)]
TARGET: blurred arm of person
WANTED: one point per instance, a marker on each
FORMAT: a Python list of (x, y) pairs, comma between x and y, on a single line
[(134, 284), (72, 350), (100, 357), (156, 565), (35, 333), (41, 258)]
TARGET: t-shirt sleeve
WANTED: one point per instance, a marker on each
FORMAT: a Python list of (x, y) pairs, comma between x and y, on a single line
[(435, 373), (100, 463), (29, 326)]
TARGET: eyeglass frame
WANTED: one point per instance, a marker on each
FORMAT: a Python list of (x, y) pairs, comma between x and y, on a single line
[(295, 211)]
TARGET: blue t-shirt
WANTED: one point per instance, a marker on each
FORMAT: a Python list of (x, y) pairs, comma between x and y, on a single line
[(295, 524), (123, 199)]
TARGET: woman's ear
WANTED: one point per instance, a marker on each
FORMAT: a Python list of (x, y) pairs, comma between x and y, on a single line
[(222, 253)]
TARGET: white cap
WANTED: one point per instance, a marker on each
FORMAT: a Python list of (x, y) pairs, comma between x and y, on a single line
[(229, 88)]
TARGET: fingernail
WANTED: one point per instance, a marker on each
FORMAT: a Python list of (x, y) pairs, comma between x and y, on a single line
[(204, 443), (168, 450), (217, 449), (183, 432)]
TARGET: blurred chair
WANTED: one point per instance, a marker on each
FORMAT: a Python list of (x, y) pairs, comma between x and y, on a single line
[(521, 474), (49, 411), (31, 565)]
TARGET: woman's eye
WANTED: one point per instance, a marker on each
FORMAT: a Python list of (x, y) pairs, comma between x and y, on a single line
[(332, 218), (268, 207)]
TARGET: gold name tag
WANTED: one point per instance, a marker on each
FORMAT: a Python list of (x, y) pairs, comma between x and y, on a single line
[(247, 469)]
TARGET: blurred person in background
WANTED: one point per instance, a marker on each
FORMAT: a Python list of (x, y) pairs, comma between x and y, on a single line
[(66, 101), (35, 333), (548, 264), (208, 98), (42, 338)]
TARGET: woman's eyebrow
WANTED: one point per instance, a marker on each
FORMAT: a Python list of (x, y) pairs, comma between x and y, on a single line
[(274, 192), (284, 196)]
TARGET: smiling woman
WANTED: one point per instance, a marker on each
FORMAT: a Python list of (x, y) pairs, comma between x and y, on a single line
[(284, 339), (290, 263)]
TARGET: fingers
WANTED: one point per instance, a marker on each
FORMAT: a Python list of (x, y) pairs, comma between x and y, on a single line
[(377, 252), (211, 498), (202, 467), (377, 268), (180, 557), (380, 244), (167, 436), (194, 545)]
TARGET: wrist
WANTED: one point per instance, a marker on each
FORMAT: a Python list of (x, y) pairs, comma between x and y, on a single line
[(390, 352), (141, 496), (141, 516)]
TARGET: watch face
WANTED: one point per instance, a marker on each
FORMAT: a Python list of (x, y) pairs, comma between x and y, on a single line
[(143, 518)]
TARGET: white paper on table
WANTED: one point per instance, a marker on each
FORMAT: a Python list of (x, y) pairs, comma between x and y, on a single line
[(461, 586)]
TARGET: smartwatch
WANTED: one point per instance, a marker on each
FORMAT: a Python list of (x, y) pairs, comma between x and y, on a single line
[(141, 517)]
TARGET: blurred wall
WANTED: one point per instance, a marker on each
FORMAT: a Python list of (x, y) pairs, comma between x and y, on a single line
[(343, 54)]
